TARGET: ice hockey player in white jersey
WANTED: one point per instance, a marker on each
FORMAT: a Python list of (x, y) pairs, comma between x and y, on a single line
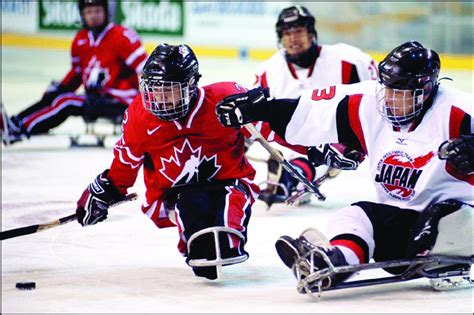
[(302, 63), (418, 136)]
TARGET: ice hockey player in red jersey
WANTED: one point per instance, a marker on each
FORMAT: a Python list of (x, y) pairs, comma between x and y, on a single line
[(420, 148), (106, 59), (195, 170), (302, 63)]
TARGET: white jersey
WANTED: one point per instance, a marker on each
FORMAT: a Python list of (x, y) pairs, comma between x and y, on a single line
[(404, 165), (336, 64)]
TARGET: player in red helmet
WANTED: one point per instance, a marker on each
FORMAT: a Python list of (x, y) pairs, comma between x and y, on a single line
[(106, 59)]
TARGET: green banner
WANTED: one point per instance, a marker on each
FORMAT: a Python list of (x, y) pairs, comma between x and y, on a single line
[(144, 16), (60, 15), (152, 16)]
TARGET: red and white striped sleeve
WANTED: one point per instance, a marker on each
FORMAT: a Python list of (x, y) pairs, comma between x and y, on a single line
[(73, 80), (132, 50), (128, 155)]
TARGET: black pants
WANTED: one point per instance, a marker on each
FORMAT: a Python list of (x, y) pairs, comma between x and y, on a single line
[(392, 228), (51, 112), (221, 205)]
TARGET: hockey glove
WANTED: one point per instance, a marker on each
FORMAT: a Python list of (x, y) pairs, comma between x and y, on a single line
[(460, 153), (52, 91), (424, 233), (336, 156), (94, 203), (236, 110)]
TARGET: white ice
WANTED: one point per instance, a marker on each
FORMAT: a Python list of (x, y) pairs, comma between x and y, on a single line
[(125, 264)]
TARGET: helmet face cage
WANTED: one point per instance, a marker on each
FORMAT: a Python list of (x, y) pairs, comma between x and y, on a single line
[(408, 82), (399, 107), (167, 100)]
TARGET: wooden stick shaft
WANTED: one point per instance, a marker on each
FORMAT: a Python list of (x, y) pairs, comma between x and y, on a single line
[(45, 226)]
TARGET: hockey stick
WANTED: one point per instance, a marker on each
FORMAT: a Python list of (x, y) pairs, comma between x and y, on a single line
[(256, 159), (284, 163), (331, 173), (41, 227)]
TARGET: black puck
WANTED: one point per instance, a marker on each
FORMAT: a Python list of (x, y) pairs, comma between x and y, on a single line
[(26, 285)]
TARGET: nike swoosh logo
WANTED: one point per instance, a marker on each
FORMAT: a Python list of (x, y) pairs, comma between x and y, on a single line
[(81, 42), (150, 132)]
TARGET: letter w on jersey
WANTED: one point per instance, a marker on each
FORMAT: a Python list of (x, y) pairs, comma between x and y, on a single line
[(187, 166)]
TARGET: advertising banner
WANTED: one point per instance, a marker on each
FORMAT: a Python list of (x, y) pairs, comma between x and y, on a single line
[(152, 16), (145, 16)]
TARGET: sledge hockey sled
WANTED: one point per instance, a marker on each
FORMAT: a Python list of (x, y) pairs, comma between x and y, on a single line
[(444, 272), (98, 137)]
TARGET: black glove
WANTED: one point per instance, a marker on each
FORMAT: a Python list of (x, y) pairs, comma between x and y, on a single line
[(236, 110), (336, 156), (424, 233), (95, 200), (460, 153), (52, 91)]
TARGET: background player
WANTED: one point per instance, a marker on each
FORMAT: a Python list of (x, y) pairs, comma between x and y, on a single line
[(106, 59), (302, 63), (418, 193), (195, 170)]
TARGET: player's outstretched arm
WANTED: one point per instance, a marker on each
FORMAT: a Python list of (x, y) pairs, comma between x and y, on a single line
[(255, 105), (239, 109)]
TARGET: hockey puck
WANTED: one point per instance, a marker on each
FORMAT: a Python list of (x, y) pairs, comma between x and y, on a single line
[(26, 285)]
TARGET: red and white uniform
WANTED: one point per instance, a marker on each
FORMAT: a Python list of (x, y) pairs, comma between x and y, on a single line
[(198, 150), (108, 65), (117, 53), (405, 168), (336, 64)]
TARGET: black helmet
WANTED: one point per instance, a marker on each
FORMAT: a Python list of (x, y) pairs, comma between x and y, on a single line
[(169, 81), (295, 16), (87, 3), (410, 67)]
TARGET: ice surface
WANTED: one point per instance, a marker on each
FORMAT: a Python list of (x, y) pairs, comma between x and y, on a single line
[(127, 265)]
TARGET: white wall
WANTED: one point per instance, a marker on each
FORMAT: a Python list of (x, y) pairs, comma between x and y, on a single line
[(244, 24), (19, 16)]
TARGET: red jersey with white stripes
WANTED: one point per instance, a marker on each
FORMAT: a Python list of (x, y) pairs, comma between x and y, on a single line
[(198, 150), (108, 63), (405, 168)]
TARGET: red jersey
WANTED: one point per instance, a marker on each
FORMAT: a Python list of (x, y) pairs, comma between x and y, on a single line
[(109, 63), (198, 150)]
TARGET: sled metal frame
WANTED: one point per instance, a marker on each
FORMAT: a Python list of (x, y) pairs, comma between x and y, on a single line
[(440, 266)]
